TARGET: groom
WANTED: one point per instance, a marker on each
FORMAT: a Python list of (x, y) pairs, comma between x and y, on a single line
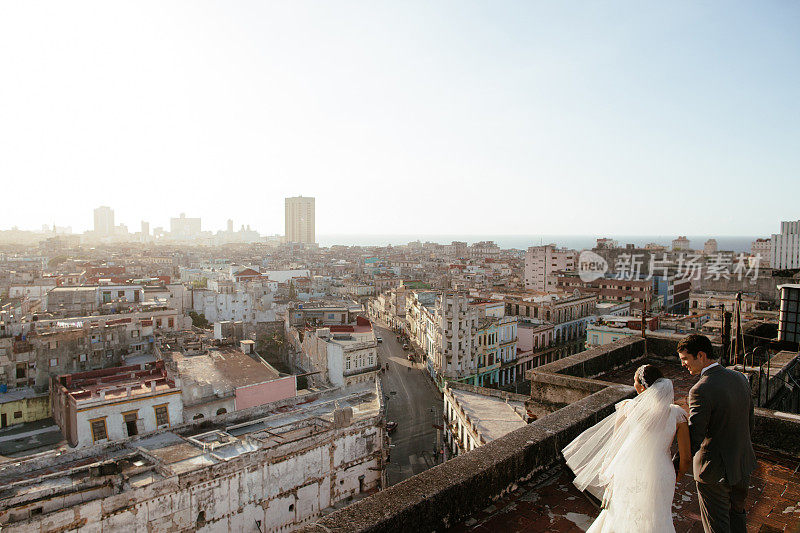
[(720, 421)]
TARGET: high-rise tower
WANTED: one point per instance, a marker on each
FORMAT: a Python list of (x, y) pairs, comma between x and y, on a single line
[(104, 220), (300, 220)]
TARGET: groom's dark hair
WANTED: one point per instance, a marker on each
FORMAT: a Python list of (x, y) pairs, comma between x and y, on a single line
[(694, 344)]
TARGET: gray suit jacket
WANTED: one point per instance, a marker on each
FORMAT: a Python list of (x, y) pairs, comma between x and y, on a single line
[(720, 422)]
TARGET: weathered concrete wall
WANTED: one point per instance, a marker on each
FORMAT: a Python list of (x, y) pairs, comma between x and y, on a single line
[(777, 431), (487, 392), (550, 392), (598, 360), (268, 392), (279, 487), (28, 409), (440, 497)]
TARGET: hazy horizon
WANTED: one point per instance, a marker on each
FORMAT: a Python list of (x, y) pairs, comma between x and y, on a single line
[(461, 117)]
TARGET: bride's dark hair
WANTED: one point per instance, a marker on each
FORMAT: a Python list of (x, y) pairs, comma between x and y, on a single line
[(648, 374)]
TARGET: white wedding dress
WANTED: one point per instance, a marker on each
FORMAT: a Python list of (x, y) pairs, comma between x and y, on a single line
[(625, 460)]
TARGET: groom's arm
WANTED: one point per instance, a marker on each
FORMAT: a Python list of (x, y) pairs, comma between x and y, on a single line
[(699, 415)]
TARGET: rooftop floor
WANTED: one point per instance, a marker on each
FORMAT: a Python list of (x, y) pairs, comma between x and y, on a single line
[(552, 503), (494, 416)]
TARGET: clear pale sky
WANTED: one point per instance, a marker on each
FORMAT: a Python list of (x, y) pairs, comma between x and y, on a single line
[(404, 117)]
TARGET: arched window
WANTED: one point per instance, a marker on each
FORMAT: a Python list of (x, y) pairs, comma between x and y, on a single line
[(221, 411), (198, 416)]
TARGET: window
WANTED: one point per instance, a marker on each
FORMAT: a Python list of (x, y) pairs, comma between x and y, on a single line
[(54, 361), (121, 294), (135, 333), (82, 357), (98, 429), (170, 322), (17, 414), (21, 367), (347, 364), (162, 415), (53, 345)]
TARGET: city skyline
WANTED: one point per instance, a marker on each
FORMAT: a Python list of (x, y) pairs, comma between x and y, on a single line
[(540, 118)]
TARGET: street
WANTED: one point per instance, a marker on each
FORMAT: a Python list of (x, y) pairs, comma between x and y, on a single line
[(414, 403)]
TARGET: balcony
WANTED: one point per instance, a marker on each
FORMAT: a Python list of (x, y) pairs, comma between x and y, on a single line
[(362, 370)]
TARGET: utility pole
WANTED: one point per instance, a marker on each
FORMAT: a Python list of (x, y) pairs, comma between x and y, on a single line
[(738, 342), (726, 334)]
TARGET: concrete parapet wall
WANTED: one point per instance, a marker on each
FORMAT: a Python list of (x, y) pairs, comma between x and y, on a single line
[(598, 360), (777, 431), (503, 395)]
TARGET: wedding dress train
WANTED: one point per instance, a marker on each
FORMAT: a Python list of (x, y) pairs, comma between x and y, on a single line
[(625, 459)]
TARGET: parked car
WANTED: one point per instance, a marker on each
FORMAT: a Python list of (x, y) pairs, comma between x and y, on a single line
[(378, 338), (391, 426), (411, 357), (405, 346)]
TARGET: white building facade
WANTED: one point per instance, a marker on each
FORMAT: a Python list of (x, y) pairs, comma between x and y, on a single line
[(785, 249)]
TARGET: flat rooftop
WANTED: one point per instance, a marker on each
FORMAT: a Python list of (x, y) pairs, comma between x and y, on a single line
[(494, 417), (225, 367), (158, 455), (114, 383)]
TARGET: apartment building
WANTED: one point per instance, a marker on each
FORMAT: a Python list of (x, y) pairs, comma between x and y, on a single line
[(463, 338), (639, 292), (246, 301), (569, 312), (785, 246), (100, 406), (543, 262), (681, 244), (342, 355), (712, 303), (761, 249), (496, 351), (275, 467), (300, 223), (32, 359)]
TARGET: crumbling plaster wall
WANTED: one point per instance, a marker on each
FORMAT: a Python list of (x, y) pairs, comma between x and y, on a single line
[(278, 487)]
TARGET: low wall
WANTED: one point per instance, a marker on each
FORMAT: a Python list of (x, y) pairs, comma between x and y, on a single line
[(503, 395), (777, 431), (551, 392), (446, 494), (666, 345), (596, 361)]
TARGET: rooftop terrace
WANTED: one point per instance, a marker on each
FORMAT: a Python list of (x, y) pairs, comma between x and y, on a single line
[(518, 482)]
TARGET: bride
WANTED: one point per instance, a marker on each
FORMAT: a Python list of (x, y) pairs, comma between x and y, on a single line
[(625, 459)]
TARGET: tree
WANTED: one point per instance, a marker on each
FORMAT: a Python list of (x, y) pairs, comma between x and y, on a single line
[(57, 260), (199, 320), (273, 343)]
